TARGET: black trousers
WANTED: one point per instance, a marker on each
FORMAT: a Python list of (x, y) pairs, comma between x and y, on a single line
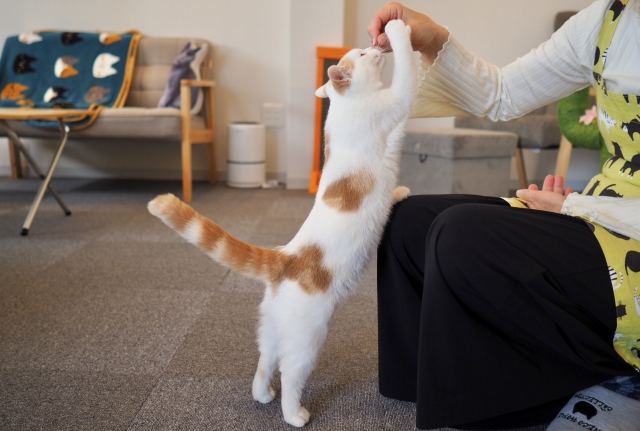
[(491, 316)]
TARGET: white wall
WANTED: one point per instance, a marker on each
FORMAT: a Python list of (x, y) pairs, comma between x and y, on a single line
[(251, 42), (265, 52), (313, 24)]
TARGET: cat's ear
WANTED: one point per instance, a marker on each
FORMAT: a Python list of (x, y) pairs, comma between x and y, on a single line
[(322, 92), (340, 75)]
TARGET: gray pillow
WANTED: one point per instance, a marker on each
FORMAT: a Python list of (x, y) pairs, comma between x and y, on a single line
[(185, 66)]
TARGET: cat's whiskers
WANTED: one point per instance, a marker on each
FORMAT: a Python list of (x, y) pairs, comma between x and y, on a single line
[(383, 49)]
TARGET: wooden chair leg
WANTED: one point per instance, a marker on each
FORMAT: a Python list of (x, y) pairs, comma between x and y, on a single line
[(186, 170), (16, 162), (212, 145), (185, 113), (522, 175), (564, 156)]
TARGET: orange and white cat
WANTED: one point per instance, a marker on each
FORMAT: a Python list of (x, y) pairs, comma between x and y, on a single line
[(323, 263)]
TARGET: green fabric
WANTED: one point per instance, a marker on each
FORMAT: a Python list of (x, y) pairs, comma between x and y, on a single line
[(570, 109), (618, 121)]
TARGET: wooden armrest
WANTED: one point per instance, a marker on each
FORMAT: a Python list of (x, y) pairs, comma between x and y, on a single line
[(196, 83)]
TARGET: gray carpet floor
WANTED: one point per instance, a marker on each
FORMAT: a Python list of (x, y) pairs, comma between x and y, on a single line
[(110, 321)]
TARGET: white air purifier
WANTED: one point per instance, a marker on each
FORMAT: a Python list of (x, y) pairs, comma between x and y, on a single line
[(247, 155)]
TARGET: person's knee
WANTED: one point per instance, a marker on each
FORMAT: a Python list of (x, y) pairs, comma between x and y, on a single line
[(459, 236), (455, 226)]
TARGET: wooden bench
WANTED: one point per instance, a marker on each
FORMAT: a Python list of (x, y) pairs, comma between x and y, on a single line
[(140, 119)]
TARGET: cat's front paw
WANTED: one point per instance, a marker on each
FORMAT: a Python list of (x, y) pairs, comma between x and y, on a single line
[(400, 193), (300, 419), (396, 30)]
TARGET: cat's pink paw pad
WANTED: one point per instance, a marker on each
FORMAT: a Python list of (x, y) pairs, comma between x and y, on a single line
[(300, 419)]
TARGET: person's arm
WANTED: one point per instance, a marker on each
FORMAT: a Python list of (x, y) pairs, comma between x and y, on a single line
[(454, 81), (620, 215)]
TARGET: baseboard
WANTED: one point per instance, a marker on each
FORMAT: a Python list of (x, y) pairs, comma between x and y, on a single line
[(297, 183), (140, 174)]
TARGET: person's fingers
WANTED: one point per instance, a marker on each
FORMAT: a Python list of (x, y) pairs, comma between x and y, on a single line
[(548, 183), (523, 193), (558, 184), (383, 41), (390, 11), (568, 191), (375, 28), (533, 187), (541, 200)]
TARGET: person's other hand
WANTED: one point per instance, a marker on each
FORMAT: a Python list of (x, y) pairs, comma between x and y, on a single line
[(426, 36), (550, 198)]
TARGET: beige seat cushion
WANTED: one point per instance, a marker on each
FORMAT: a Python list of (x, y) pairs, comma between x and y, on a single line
[(161, 124)]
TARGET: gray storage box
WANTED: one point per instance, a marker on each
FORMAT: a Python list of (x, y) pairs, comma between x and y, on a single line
[(441, 161)]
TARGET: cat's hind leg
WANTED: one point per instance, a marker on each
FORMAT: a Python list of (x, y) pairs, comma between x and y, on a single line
[(303, 329), (268, 346)]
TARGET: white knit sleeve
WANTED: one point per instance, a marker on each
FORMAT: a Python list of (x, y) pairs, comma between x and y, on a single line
[(621, 215), (460, 83)]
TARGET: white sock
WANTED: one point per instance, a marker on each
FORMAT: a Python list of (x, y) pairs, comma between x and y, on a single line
[(598, 409)]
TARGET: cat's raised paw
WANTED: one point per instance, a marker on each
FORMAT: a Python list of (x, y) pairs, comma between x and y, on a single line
[(400, 193), (396, 28), (300, 419)]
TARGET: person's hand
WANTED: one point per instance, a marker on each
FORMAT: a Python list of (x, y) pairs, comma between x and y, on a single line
[(426, 36), (550, 198)]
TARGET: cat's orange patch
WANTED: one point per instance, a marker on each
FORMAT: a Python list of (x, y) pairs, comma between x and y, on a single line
[(96, 94), (347, 193), (13, 91), (69, 71), (242, 256), (210, 235), (178, 213), (307, 269), (108, 39), (26, 102)]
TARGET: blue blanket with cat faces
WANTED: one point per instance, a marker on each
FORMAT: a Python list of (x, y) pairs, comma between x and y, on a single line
[(67, 70)]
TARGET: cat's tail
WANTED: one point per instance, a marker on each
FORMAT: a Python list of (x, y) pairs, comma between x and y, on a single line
[(257, 262)]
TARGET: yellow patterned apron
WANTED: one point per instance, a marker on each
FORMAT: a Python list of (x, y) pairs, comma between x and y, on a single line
[(619, 124)]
